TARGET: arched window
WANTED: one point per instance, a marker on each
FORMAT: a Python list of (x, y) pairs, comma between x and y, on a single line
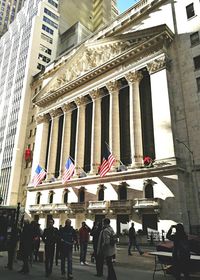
[(65, 196), (81, 195), (51, 194), (38, 196), (122, 193), (148, 192), (101, 194)]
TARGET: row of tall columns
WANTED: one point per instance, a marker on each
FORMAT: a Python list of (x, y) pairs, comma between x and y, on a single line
[(80, 135), (161, 119), (114, 133), (134, 79), (96, 131), (66, 139)]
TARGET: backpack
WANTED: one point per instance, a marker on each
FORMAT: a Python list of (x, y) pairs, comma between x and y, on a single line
[(113, 239), (183, 250)]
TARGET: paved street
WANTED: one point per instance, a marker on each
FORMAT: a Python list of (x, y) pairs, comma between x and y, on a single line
[(127, 267)]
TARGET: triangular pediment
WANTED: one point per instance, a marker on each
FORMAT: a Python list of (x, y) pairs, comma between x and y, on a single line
[(93, 55)]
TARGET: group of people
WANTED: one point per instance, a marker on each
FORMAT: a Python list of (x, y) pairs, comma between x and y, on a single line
[(60, 243)]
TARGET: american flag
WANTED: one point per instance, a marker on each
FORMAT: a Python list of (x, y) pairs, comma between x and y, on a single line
[(107, 162), (39, 175), (69, 171)]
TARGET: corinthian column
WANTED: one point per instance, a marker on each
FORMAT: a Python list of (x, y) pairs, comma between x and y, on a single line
[(134, 79), (96, 131), (80, 134), (114, 134), (164, 147), (65, 151), (40, 142), (53, 143)]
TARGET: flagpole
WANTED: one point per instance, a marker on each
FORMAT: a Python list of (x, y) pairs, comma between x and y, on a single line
[(110, 149), (77, 165)]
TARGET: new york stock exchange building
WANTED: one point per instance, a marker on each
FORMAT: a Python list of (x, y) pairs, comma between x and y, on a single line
[(121, 87)]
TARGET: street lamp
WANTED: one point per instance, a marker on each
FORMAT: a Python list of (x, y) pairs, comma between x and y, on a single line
[(195, 177)]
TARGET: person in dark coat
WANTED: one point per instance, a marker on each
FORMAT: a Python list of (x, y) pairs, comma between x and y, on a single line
[(67, 237), (26, 244), (99, 259), (106, 249), (133, 240), (37, 233), (84, 234), (50, 237), (181, 251)]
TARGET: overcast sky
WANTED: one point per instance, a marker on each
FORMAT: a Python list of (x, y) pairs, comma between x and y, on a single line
[(125, 4)]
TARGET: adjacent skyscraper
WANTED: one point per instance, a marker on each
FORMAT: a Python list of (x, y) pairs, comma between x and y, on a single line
[(8, 12)]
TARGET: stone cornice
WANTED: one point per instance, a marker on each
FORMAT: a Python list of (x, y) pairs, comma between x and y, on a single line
[(112, 178), (138, 52)]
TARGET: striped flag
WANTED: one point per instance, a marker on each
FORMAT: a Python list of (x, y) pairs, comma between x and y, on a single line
[(107, 162), (39, 175), (69, 171)]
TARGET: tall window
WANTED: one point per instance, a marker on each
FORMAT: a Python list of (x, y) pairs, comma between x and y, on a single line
[(190, 10), (194, 38), (149, 191), (38, 196), (196, 62), (81, 195), (65, 197), (122, 193), (101, 194), (198, 84), (51, 194)]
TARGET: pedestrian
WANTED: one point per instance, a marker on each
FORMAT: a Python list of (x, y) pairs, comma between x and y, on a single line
[(58, 247), (133, 240), (106, 247), (37, 233), (50, 238), (84, 234), (181, 251), (99, 259), (76, 245), (25, 246), (67, 238)]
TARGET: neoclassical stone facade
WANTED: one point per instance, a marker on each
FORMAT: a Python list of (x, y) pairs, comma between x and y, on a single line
[(115, 88)]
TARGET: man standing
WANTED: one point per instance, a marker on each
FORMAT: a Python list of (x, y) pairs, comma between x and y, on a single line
[(67, 238), (107, 248), (25, 246), (84, 233), (50, 238), (133, 241)]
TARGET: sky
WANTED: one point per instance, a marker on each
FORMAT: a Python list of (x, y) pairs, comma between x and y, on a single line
[(125, 4)]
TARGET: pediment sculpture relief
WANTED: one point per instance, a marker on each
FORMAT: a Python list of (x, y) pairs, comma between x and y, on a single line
[(85, 61)]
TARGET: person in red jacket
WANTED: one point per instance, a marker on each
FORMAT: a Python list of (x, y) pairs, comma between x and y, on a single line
[(84, 234)]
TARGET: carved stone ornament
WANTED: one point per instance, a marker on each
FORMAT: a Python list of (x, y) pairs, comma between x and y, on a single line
[(83, 100), (68, 107), (55, 113), (113, 86), (95, 94), (86, 60), (42, 118), (157, 65), (134, 76)]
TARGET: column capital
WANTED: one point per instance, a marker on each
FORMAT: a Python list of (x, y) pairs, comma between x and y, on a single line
[(112, 86), (67, 107), (83, 100), (55, 113), (95, 94), (133, 77), (42, 118), (158, 64)]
